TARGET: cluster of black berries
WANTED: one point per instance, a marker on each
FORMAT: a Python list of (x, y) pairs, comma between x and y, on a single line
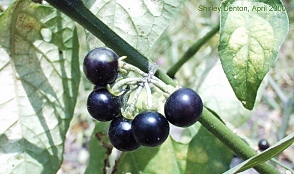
[(101, 68), (149, 128)]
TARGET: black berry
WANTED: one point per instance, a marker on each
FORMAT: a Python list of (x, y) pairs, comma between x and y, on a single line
[(263, 145), (183, 107), (102, 105), (150, 128), (121, 136), (101, 66)]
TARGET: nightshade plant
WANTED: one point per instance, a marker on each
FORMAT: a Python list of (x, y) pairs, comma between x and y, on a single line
[(150, 128), (101, 66), (263, 145), (41, 49), (183, 107), (120, 134), (102, 105)]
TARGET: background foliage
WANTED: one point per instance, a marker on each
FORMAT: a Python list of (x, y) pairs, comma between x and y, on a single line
[(40, 71)]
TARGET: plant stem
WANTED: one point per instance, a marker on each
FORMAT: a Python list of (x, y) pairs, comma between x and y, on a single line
[(149, 96), (79, 12), (277, 89), (243, 150), (192, 51), (282, 165), (288, 108), (76, 10)]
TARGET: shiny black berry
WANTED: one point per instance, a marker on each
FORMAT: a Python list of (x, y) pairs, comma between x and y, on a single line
[(121, 136), (101, 66), (183, 107), (263, 145), (102, 105), (150, 128)]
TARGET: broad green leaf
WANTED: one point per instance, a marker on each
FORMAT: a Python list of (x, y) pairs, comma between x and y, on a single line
[(150, 160), (139, 22), (264, 156), (39, 74), (206, 154), (249, 43), (203, 154)]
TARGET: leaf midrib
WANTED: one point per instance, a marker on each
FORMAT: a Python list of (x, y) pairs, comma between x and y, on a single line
[(12, 45)]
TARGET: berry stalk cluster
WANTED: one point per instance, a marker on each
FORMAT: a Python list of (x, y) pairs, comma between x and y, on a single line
[(113, 87)]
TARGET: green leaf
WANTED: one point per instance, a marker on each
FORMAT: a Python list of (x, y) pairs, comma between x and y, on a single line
[(249, 43), (139, 22), (207, 154), (99, 148), (264, 156), (203, 154), (149, 160), (39, 74)]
